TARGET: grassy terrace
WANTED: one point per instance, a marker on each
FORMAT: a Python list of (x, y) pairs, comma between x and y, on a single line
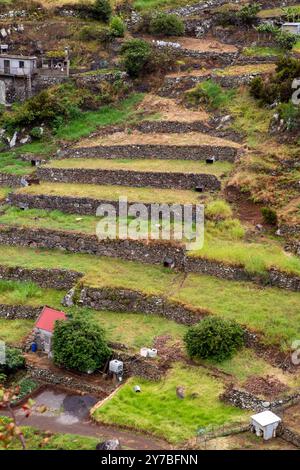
[(138, 138), (158, 166), (9, 163), (158, 409), (275, 312), (111, 193), (237, 70)]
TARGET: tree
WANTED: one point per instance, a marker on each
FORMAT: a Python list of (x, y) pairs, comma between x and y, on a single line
[(168, 25), (248, 13), (135, 53), (14, 360), (102, 10), (214, 338), (79, 344)]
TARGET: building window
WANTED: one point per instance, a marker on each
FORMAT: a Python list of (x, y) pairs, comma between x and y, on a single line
[(21, 64)]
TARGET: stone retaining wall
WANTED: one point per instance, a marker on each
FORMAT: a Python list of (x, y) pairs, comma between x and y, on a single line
[(10, 180), (125, 300), (166, 152), (64, 380), (19, 312), (288, 435), (247, 401), (46, 278), (138, 179), (70, 205), (153, 252)]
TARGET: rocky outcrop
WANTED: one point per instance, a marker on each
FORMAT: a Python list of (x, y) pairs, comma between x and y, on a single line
[(138, 179)]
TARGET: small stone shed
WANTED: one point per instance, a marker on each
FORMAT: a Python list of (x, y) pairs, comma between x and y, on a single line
[(265, 424), (44, 328)]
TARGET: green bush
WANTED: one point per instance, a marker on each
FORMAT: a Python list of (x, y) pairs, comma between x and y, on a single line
[(248, 13), (269, 215), (166, 24), (214, 338), (210, 94), (290, 115), (79, 344), (102, 10), (117, 27), (135, 54), (36, 132), (14, 360), (286, 40)]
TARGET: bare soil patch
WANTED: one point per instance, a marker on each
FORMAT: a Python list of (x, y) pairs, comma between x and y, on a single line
[(244, 209), (169, 110), (199, 45), (268, 387)]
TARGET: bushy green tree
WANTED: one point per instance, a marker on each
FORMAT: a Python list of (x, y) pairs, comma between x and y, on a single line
[(14, 360), (166, 24), (102, 10), (248, 13), (214, 338), (135, 54), (79, 344)]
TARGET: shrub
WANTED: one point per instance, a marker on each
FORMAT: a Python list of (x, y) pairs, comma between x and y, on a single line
[(269, 215), (168, 25), (14, 360), (210, 94), (286, 40), (248, 13), (290, 115), (91, 33), (36, 132), (135, 54), (218, 210), (102, 10), (117, 27), (79, 344), (214, 338)]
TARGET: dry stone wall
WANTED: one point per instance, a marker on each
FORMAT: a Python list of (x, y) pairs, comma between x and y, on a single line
[(19, 312), (139, 179), (166, 152)]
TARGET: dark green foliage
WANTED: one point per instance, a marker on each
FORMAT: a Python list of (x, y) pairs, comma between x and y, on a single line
[(214, 338), (286, 40), (166, 24), (248, 14), (26, 387), (79, 344), (117, 27), (14, 360), (279, 86), (269, 215), (290, 114), (135, 54), (210, 94), (102, 10)]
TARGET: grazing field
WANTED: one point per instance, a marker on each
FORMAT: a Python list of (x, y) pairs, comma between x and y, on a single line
[(13, 332), (275, 312), (161, 412)]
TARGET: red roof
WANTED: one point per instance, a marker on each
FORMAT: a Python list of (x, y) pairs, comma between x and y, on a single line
[(48, 318)]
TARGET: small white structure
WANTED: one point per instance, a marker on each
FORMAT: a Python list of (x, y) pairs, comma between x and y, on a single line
[(293, 28), (116, 367), (265, 424), (17, 66), (148, 352)]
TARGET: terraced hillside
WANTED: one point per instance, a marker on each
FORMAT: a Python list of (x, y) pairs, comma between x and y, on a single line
[(187, 130)]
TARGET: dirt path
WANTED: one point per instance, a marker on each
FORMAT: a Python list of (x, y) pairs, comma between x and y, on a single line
[(128, 439)]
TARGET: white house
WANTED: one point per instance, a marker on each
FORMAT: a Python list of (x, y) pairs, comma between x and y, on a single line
[(265, 424), (293, 28), (17, 66), (44, 328)]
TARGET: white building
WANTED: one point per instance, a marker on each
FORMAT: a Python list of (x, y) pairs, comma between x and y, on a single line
[(293, 28), (17, 66), (265, 424)]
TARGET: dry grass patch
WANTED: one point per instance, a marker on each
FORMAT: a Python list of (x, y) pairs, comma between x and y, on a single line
[(167, 109), (157, 166), (138, 138), (112, 193), (240, 70)]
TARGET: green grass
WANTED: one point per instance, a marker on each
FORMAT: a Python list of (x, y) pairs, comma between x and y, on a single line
[(261, 51), (14, 331), (256, 258), (145, 5), (158, 410), (166, 166), (39, 440), (28, 293), (89, 121), (3, 193), (112, 193), (297, 47), (11, 164), (273, 312)]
